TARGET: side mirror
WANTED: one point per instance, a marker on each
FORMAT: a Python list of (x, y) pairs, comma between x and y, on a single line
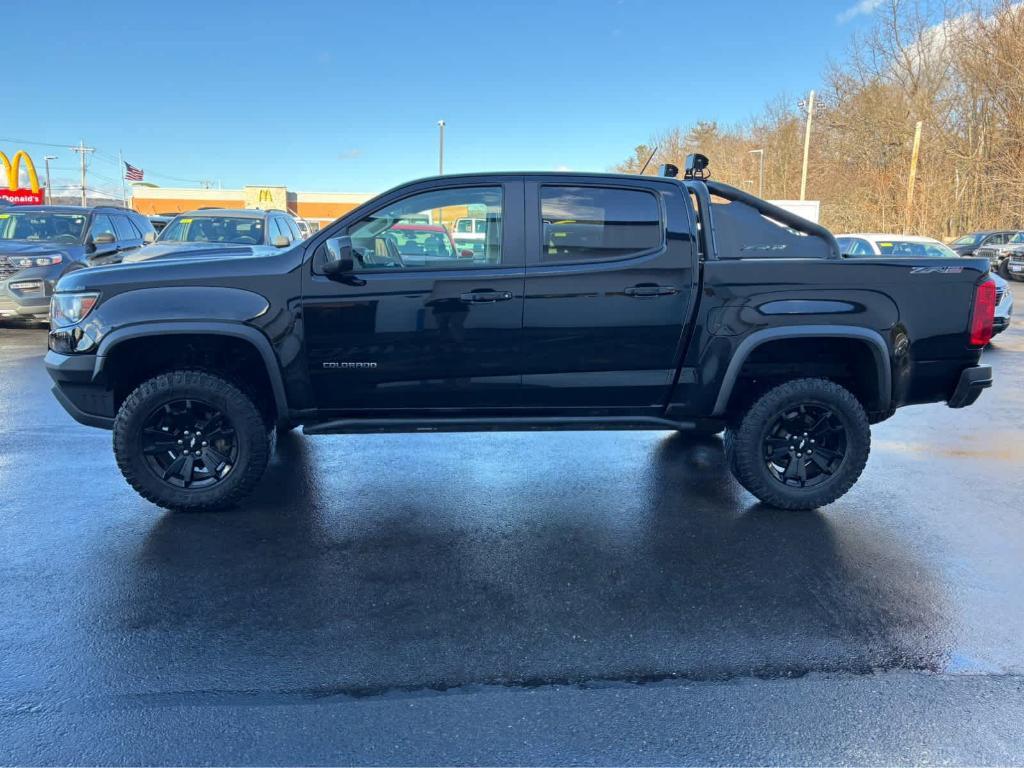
[(466, 253), (149, 237), (280, 241), (338, 259), (104, 238)]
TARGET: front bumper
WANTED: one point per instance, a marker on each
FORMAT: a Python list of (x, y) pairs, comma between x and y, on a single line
[(25, 296), (972, 381), (76, 387)]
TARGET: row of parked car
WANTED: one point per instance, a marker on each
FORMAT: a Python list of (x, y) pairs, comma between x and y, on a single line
[(40, 244), (873, 245)]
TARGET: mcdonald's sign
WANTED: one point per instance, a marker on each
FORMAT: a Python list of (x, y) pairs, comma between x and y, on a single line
[(13, 193)]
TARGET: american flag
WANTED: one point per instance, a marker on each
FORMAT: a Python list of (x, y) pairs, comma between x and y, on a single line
[(131, 173)]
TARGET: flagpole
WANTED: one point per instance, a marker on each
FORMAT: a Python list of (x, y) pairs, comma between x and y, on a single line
[(124, 196)]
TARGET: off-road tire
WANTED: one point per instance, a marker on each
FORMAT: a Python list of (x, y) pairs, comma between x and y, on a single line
[(746, 453), (254, 441)]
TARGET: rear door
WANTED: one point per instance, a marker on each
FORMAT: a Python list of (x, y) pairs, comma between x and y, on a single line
[(421, 325), (610, 280)]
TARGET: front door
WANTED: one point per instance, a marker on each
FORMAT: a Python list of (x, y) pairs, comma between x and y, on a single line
[(421, 323), (611, 279)]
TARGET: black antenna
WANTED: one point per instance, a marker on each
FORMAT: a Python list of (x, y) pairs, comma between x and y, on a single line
[(653, 153)]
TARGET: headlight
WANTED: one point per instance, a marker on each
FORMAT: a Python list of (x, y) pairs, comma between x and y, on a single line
[(70, 308), (24, 262)]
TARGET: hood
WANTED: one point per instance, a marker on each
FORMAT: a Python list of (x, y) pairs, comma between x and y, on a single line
[(172, 249), (235, 268), (33, 248)]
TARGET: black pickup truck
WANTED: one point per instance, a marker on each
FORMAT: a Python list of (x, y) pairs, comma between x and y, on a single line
[(595, 301)]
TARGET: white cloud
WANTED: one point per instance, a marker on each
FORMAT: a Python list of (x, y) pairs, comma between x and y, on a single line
[(562, 168), (861, 8)]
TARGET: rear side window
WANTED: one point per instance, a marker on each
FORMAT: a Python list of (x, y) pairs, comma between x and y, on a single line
[(598, 223), (124, 228)]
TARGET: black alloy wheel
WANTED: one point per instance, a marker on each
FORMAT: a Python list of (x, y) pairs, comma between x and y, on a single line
[(801, 445), (805, 446), (189, 444)]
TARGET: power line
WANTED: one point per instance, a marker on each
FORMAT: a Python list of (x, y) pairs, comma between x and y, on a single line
[(99, 154)]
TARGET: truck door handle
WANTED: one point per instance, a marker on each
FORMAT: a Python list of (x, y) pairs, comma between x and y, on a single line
[(486, 296), (647, 291)]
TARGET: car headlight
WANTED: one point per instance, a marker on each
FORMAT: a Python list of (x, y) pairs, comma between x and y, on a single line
[(71, 308), (24, 262)]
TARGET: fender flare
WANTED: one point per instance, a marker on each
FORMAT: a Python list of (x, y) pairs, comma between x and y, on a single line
[(876, 343), (206, 328)]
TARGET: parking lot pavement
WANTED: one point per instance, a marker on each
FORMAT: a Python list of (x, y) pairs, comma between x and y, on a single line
[(514, 598)]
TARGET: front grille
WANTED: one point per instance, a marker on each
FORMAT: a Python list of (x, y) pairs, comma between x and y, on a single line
[(1017, 257), (6, 269), (987, 253)]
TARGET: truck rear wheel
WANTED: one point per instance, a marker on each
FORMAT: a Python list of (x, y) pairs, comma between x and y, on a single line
[(190, 441), (801, 445)]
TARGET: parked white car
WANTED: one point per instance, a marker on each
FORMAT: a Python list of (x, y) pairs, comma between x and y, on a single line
[(869, 245)]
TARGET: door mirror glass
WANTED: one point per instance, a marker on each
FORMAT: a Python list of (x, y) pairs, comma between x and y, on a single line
[(338, 258), (280, 241), (104, 238), (149, 237)]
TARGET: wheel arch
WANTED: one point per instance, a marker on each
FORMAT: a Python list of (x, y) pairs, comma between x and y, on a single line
[(244, 333), (872, 340)]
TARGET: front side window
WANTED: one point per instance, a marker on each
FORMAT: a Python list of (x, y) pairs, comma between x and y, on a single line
[(42, 225), (101, 225), (598, 223), (418, 231), (967, 240), (236, 230)]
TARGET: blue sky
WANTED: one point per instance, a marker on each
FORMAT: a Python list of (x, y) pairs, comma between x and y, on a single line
[(345, 96)]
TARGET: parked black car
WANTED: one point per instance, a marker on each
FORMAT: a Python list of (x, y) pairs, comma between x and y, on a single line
[(967, 245), (604, 302), (39, 244)]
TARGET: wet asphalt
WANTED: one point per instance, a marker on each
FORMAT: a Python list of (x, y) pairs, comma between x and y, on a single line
[(590, 598)]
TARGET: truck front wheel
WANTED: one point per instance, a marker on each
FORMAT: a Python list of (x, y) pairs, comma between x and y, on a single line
[(801, 445), (190, 441)]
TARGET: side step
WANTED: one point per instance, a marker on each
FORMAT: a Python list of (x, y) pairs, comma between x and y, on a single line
[(493, 424)]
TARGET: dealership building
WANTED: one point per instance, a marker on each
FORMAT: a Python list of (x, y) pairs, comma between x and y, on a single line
[(318, 208)]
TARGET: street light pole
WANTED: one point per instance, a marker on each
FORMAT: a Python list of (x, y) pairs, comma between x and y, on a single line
[(440, 155), (49, 194), (760, 175)]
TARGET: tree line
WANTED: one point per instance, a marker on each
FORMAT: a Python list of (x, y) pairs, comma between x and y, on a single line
[(956, 67)]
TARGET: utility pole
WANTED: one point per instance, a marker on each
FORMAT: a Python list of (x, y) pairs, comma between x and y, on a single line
[(440, 156), (49, 194), (760, 175), (82, 150), (913, 176), (807, 145)]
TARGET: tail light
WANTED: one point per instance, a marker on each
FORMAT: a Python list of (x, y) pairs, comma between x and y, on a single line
[(983, 313)]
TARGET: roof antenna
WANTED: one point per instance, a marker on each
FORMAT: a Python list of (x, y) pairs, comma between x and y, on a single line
[(653, 153)]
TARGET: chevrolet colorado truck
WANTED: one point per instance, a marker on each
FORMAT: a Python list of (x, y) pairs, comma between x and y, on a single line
[(600, 301)]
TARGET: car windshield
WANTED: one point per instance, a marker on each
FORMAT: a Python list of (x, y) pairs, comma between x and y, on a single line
[(45, 226), (412, 241), (967, 240), (1018, 238), (237, 230), (911, 248)]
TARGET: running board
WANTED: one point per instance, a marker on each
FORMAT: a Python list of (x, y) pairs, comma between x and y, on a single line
[(493, 424)]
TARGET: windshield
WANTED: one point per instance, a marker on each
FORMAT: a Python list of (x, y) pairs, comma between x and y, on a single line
[(44, 226), (237, 230), (968, 240), (1018, 238), (910, 248), (413, 242)]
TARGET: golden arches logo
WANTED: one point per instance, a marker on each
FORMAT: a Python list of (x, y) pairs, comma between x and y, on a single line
[(266, 196), (13, 167)]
